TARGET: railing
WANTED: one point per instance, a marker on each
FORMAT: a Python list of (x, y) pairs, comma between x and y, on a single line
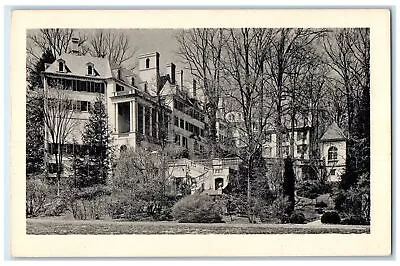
[(122, 93)]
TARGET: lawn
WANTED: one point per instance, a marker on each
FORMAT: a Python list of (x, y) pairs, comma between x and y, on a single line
[(64, 227)]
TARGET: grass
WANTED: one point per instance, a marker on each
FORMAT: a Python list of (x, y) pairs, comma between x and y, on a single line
[(66, 227)]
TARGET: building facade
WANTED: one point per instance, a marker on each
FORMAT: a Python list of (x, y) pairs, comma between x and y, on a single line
[(144, 107)]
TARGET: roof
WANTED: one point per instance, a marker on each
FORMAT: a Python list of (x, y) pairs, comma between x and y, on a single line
[(76, 65), (333, 132)]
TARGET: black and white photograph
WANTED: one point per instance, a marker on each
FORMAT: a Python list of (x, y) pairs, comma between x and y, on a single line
[(198, 131)]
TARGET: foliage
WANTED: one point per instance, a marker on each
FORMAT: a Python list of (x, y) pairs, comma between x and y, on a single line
[(93, 164), (312, 188), (276, 210), (34, 132), (37, 196), (297, 218), (197, 209), (289, 180), (260, 192), (34, 75), (85, 202), (355, 201), (330, 217), (141, 186)]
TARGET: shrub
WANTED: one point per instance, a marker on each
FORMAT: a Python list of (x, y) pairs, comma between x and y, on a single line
[(297, 218), (37, 195), (331, 217), (276, 210), (197, 209)]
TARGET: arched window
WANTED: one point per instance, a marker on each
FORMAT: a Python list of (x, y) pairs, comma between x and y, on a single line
[(147, 62), (332, 154), (61, 66), (90, 70)]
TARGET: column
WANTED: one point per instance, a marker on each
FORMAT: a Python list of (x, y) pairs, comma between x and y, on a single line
[(116, 117), (131, 117)]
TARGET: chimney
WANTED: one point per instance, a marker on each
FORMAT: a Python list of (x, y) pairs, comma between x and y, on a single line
[(173, 69), (194, 88), (181, 80), (75, 45)]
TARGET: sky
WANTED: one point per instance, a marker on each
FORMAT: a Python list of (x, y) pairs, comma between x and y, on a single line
[(154, 40), (147, 41)]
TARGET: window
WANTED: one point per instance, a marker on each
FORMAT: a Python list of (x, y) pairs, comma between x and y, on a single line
[(268, 152), (332, 154), (285, 137), (90, 70), (140, 118), (285, 150), (301, 149), (85, 106), (268, 137), (145, 87), (332, 172), (176, 121), (184, 142), (178, 139), (182, 123), (147, 62), (61, 66), (301, 135), (119, 88)]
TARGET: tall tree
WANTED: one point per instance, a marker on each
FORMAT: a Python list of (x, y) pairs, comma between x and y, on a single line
[(97, 140), (283, 56), (202, 50), (244, 67), (348, 52), (34, 74), (59, 123), (289, 182), (34, 132), (115, 46)]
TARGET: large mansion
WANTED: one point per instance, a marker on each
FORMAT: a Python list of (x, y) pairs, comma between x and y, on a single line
[(165, 104)]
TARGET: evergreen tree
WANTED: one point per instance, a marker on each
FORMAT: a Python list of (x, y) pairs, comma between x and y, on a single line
[(34, 77), (34, 132), (94, 162), (289, 180)]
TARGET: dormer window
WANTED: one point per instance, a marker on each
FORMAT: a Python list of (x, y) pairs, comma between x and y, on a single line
[(90, 69), (61, 65), (147, 62)]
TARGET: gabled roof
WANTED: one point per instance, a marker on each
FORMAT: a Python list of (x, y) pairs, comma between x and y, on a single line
[(333, 132), (76, 65)]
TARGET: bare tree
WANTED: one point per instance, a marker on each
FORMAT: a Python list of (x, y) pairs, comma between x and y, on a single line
[(112, 45), (348, 52), (245, 69), (283, 56), (59, 123), (202, 51), (55, 41)]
